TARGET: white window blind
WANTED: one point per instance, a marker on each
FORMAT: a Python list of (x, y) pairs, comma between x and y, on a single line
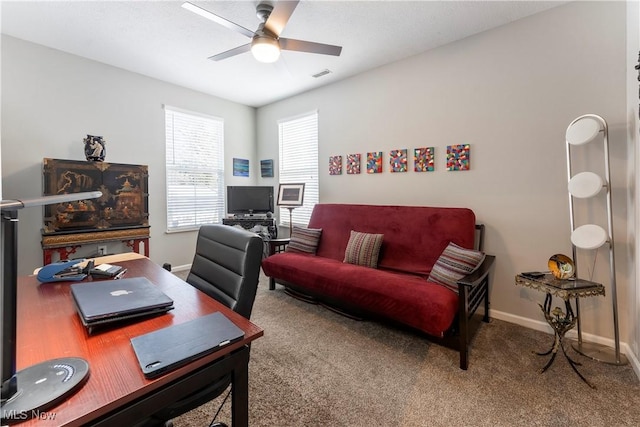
[(195, 169), (299, 163)]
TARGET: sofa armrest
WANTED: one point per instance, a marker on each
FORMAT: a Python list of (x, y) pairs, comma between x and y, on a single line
[(473, 279), (473, 289)]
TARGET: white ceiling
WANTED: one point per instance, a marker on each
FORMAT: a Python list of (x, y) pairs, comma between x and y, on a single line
[(160, 39)]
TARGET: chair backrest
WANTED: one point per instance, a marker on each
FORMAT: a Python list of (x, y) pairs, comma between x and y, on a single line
[(226, 266)]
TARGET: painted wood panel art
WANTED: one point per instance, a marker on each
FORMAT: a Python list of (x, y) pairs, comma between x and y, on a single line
[(458, 157), (423, 159), (266, 168), (240, 167), (374, 162), (398, 160), (353, 164), (124, 202), (335, 165)]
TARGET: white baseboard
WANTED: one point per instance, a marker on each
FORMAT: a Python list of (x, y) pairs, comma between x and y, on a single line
[(539, 325)]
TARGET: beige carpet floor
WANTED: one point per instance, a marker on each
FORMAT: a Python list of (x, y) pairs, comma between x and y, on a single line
[(314, 367)]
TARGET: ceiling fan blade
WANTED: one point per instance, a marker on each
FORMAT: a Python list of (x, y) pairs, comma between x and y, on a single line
[(280, 16), (231, 52), (217, 19), (282, 67), (311, 47)]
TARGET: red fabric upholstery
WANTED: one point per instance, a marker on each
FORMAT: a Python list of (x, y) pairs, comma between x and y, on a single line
[(414, 238), (410, 300)]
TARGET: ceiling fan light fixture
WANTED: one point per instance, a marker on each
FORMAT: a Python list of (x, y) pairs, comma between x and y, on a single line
[(265, 49)]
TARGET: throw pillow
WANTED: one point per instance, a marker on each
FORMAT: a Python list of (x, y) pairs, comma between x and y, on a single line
[(453, 264), (363, 249), (304, 240)]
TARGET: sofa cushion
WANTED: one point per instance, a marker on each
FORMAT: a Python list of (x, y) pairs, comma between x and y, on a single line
[(414, 236), (404, 298), (304, 240), (363, 249), (453, 264)]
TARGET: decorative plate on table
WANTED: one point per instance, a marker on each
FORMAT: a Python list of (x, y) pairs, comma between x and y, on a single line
[(561, 266)]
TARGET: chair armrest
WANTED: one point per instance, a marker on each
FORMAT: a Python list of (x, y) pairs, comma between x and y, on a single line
[(473, 279)]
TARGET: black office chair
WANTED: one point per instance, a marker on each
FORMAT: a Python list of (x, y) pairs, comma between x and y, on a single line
[(226, 266)]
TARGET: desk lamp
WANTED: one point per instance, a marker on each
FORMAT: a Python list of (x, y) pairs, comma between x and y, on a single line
[(45, 384), (585, 185)]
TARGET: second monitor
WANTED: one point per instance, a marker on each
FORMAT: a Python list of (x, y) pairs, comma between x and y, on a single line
[(249, 200)]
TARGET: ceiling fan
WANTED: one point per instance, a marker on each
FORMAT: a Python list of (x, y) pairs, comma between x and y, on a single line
[(266, 42)]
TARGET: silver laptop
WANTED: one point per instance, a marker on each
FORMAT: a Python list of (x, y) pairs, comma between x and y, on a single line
[(107, 301)]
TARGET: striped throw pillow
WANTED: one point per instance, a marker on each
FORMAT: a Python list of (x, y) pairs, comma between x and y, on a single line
[(304, 240), (453, 264), (363, 249)]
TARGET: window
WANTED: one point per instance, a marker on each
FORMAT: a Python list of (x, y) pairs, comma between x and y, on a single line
[(195, 169), (299, 163)]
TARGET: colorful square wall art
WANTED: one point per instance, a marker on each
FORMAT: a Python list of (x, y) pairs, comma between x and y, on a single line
[(458, 157), (266, 168), (374, 162), (335, 165), (240, 167), (353, 164), (398, 160), (423, 159)]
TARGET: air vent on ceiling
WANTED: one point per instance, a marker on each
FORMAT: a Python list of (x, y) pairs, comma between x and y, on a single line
[(321, 73)]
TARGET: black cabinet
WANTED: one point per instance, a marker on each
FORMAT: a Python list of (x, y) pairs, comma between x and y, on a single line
[(268, 225), (124, 203)]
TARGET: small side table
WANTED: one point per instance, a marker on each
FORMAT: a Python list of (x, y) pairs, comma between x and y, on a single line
[(560, 321), (277, 245)]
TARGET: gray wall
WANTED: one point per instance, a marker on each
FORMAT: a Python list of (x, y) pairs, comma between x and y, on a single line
[(51, 100), (511, 93)]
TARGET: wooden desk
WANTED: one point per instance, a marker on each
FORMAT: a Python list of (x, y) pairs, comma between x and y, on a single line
[(117, 392)]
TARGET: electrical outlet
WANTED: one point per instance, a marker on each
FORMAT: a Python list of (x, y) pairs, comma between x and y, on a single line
[(102, 250)]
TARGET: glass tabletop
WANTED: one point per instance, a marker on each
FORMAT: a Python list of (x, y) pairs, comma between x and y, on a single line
[(566, 288)]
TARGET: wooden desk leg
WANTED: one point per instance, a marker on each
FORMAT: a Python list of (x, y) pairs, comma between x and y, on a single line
[(240, 392)]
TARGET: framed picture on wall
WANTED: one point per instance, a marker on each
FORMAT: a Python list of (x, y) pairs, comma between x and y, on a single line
[(266, 168), (290, 195), (240, 167), (335, 165)]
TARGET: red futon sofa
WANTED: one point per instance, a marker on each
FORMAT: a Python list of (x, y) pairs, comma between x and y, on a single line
[(397, 289)]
